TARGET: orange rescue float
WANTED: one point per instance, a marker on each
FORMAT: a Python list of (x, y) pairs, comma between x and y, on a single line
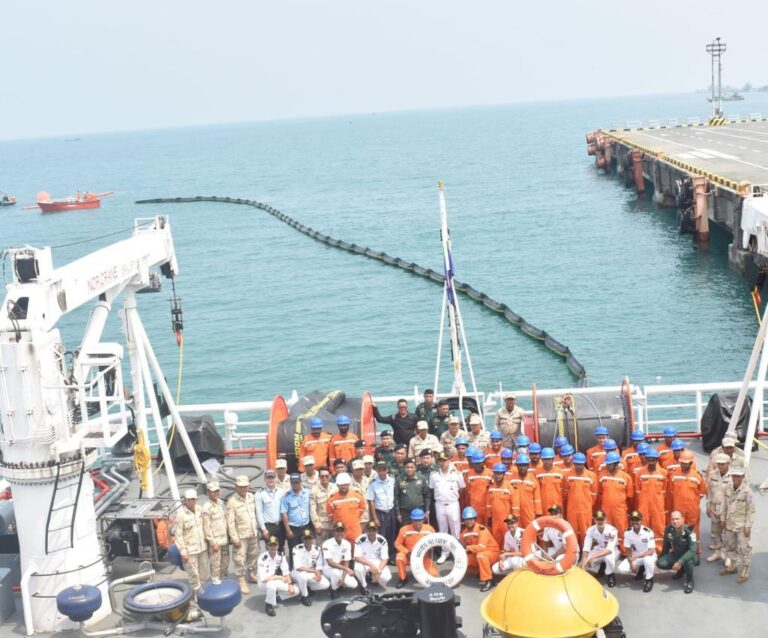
[(543, 566)]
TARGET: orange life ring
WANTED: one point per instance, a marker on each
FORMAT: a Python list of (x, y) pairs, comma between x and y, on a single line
[(549, 567)]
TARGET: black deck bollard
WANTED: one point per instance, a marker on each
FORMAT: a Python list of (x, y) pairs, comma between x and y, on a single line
[(437, 612)]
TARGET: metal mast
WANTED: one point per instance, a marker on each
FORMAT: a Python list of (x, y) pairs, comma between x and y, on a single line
[(716, 50)]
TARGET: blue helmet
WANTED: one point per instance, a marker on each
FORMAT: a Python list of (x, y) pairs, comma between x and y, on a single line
[(601, 430), (652, 453), (677, 444), (468, 512), (499, 467), (522, 441), (560, 441), (643, 448), (496, 435), (523, 460), (316, 423), (612, 457), (417, 514), (534, 448), (547, 453), (637, 435), (506, 453), (461, 441), (670, 431), (610, 444), (567, 450), (342, 420), (471, 451), (478, 457), (579, 457)]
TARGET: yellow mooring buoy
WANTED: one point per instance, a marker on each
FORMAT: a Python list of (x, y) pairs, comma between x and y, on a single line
[(530, 605)]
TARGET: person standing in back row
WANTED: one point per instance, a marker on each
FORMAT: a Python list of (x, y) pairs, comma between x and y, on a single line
[(738, 520), (509, 420), (342, 445), (403, 423)]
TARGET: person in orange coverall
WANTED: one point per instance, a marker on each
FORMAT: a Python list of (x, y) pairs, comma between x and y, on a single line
[(550, 478), (614, 493), (651, 495), (596, 453), (686, 488), (406, 540), (482, 548), (580, 488), (342, 445), (528, 488), (477, 481), (346, 506), (315, 444), (503, 500), (665, 449), (630, 456)]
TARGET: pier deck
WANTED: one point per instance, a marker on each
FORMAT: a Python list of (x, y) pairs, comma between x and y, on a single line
[(735, 152)]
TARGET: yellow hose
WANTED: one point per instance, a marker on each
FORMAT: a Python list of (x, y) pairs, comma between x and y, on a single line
[(142, 458)]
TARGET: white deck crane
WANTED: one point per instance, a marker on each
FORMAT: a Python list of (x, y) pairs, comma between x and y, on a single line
[(56, 418)]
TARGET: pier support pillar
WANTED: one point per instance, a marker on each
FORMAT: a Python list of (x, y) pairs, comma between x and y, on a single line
[(701, 199), (637, 170)]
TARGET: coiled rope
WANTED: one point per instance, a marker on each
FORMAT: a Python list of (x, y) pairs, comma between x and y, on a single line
[(475, 295)]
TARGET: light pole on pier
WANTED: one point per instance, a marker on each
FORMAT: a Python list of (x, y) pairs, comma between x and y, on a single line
[(716, 50)]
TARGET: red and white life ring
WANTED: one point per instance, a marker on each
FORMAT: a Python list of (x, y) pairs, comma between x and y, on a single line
[(562, 563)]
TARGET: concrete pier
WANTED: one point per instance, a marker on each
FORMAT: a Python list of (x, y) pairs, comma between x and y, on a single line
[(728, 159)]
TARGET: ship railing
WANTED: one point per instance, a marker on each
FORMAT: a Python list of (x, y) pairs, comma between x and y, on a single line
[(243, 425)]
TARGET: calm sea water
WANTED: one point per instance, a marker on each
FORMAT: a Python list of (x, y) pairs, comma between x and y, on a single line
[(534, 225)]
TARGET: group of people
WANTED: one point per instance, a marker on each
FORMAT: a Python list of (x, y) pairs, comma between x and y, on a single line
[(333, 524)]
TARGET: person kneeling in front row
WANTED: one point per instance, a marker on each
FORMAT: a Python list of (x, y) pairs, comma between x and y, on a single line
[(371, 557), (600, 551), (307, 567), (679, 552), (272, 569), (510, 558), (482, 548), (337, 554), (640, 547)]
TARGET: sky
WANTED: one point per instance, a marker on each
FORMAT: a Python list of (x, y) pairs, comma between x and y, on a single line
[(80, 66)]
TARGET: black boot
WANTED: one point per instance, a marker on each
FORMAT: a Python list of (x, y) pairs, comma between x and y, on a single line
[(306, 601), (334, 594), (648, 585), (688, 587), (401, 583), (601, 571), (365, 591), (640, 573), (270, 610), (611, 580), (486, 585)]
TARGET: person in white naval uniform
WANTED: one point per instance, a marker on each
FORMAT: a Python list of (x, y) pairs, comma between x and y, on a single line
[(273, 575), (640, 546), (308, 567), (600, 551), (337, 554), (511, 557), (371, 557), (446, 485)]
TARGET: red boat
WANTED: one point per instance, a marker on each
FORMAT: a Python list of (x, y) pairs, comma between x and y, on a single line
[(76, 202)]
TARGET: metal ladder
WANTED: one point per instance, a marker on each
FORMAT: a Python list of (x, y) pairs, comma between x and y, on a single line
[(58, 508)]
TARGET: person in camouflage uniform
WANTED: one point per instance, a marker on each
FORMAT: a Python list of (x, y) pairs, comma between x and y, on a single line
[(215, 528), (190, 539), (718, 485), (243, 531), (738, 519)]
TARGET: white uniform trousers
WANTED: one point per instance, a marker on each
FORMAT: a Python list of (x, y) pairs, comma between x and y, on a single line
[(448, 518), (362, 570), (272, 588), (335, 576), (609, 560), (649, 562), (306, 581), (507, 565)]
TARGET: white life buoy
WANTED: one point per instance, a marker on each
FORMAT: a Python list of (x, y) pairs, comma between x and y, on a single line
[(447, 543)]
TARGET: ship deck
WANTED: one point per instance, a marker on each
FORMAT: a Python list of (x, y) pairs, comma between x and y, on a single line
[(718, 606)]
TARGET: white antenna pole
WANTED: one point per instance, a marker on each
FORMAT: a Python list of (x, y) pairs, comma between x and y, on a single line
[(452, 306), (440, 342)]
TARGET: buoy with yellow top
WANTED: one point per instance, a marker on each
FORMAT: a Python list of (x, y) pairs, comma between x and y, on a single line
[(567, 604)]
